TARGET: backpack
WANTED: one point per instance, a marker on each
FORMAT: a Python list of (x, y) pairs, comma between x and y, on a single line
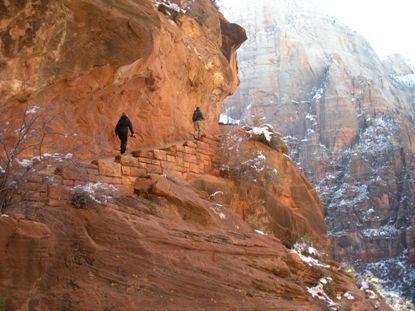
[(197, 115)]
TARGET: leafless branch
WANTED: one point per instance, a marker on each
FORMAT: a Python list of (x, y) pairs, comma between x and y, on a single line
[(24, 135)]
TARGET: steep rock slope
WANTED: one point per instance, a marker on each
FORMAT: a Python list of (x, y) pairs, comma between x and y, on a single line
[(85, 62), (269, 192), (158, 243), (151, 231), (347, 116)]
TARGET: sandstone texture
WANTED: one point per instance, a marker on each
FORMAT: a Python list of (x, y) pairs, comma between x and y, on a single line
[(176, 224), (347, 116), (85, 62), (269, 192), (171, 240)]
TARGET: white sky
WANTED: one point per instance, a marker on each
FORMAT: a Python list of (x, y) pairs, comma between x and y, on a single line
[(389, 25)]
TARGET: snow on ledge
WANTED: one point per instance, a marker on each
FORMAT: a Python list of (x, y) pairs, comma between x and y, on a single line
[(225, 119), (405, 80), (318, 292), (348, 296), (33, 110), (264, 131), (300, 247), (98, 192)]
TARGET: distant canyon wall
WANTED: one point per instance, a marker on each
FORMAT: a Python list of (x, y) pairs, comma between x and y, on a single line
[(347, 116)]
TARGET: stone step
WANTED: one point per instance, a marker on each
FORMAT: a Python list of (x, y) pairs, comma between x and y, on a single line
[(177, 159)]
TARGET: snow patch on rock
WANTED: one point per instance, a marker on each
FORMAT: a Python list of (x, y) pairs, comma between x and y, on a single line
[(225, 119), (318, 292), (183, 8), (98, 192), (385, 231), (308, 254), (262, 131), (33, 110), (406, 81)]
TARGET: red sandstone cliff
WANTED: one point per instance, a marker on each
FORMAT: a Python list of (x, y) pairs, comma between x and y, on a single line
[(163, 228), (348, 118), (155, 231), (86, 62)]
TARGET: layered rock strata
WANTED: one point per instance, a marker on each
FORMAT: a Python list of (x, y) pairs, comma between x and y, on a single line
[(281, 202), (86, 62), (153, 241), (347, 116), (269, 192), (151, 230)]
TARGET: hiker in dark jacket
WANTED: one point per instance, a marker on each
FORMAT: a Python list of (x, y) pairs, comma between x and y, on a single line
[(197, 118), (121, 130)]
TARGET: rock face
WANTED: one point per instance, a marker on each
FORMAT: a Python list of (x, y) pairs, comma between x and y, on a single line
[(268, 190), (159, 228), (25, 247), (347, 116), (85, 62), (171, 241)]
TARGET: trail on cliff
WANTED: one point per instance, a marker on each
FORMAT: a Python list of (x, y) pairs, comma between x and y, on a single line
[(190, 226), (170, 237)]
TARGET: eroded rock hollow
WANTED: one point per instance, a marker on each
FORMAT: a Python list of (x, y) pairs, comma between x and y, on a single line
[(176, 224), (86, 62)]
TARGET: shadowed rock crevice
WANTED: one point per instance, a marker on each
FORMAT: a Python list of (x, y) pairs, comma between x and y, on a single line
[(170, 225), (233, 36), (91, 61)]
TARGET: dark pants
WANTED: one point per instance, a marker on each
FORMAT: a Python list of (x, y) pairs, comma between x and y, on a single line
[(123, 138)]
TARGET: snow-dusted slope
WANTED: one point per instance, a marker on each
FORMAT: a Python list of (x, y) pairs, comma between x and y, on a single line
[(347, 116)]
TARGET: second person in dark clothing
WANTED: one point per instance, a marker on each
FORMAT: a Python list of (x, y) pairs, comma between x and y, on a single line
[(197, 118), (121, 130)]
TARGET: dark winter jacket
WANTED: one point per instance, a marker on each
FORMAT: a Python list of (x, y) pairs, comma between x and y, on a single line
[(123, 125), (197, 115)]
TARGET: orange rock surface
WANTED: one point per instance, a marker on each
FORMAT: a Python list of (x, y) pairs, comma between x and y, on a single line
[(169, 246), (85, 62), (267, 190), (148, 230)]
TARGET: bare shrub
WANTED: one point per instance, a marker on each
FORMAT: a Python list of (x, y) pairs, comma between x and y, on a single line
[(92, 194), (80, 200), (21, 152)]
